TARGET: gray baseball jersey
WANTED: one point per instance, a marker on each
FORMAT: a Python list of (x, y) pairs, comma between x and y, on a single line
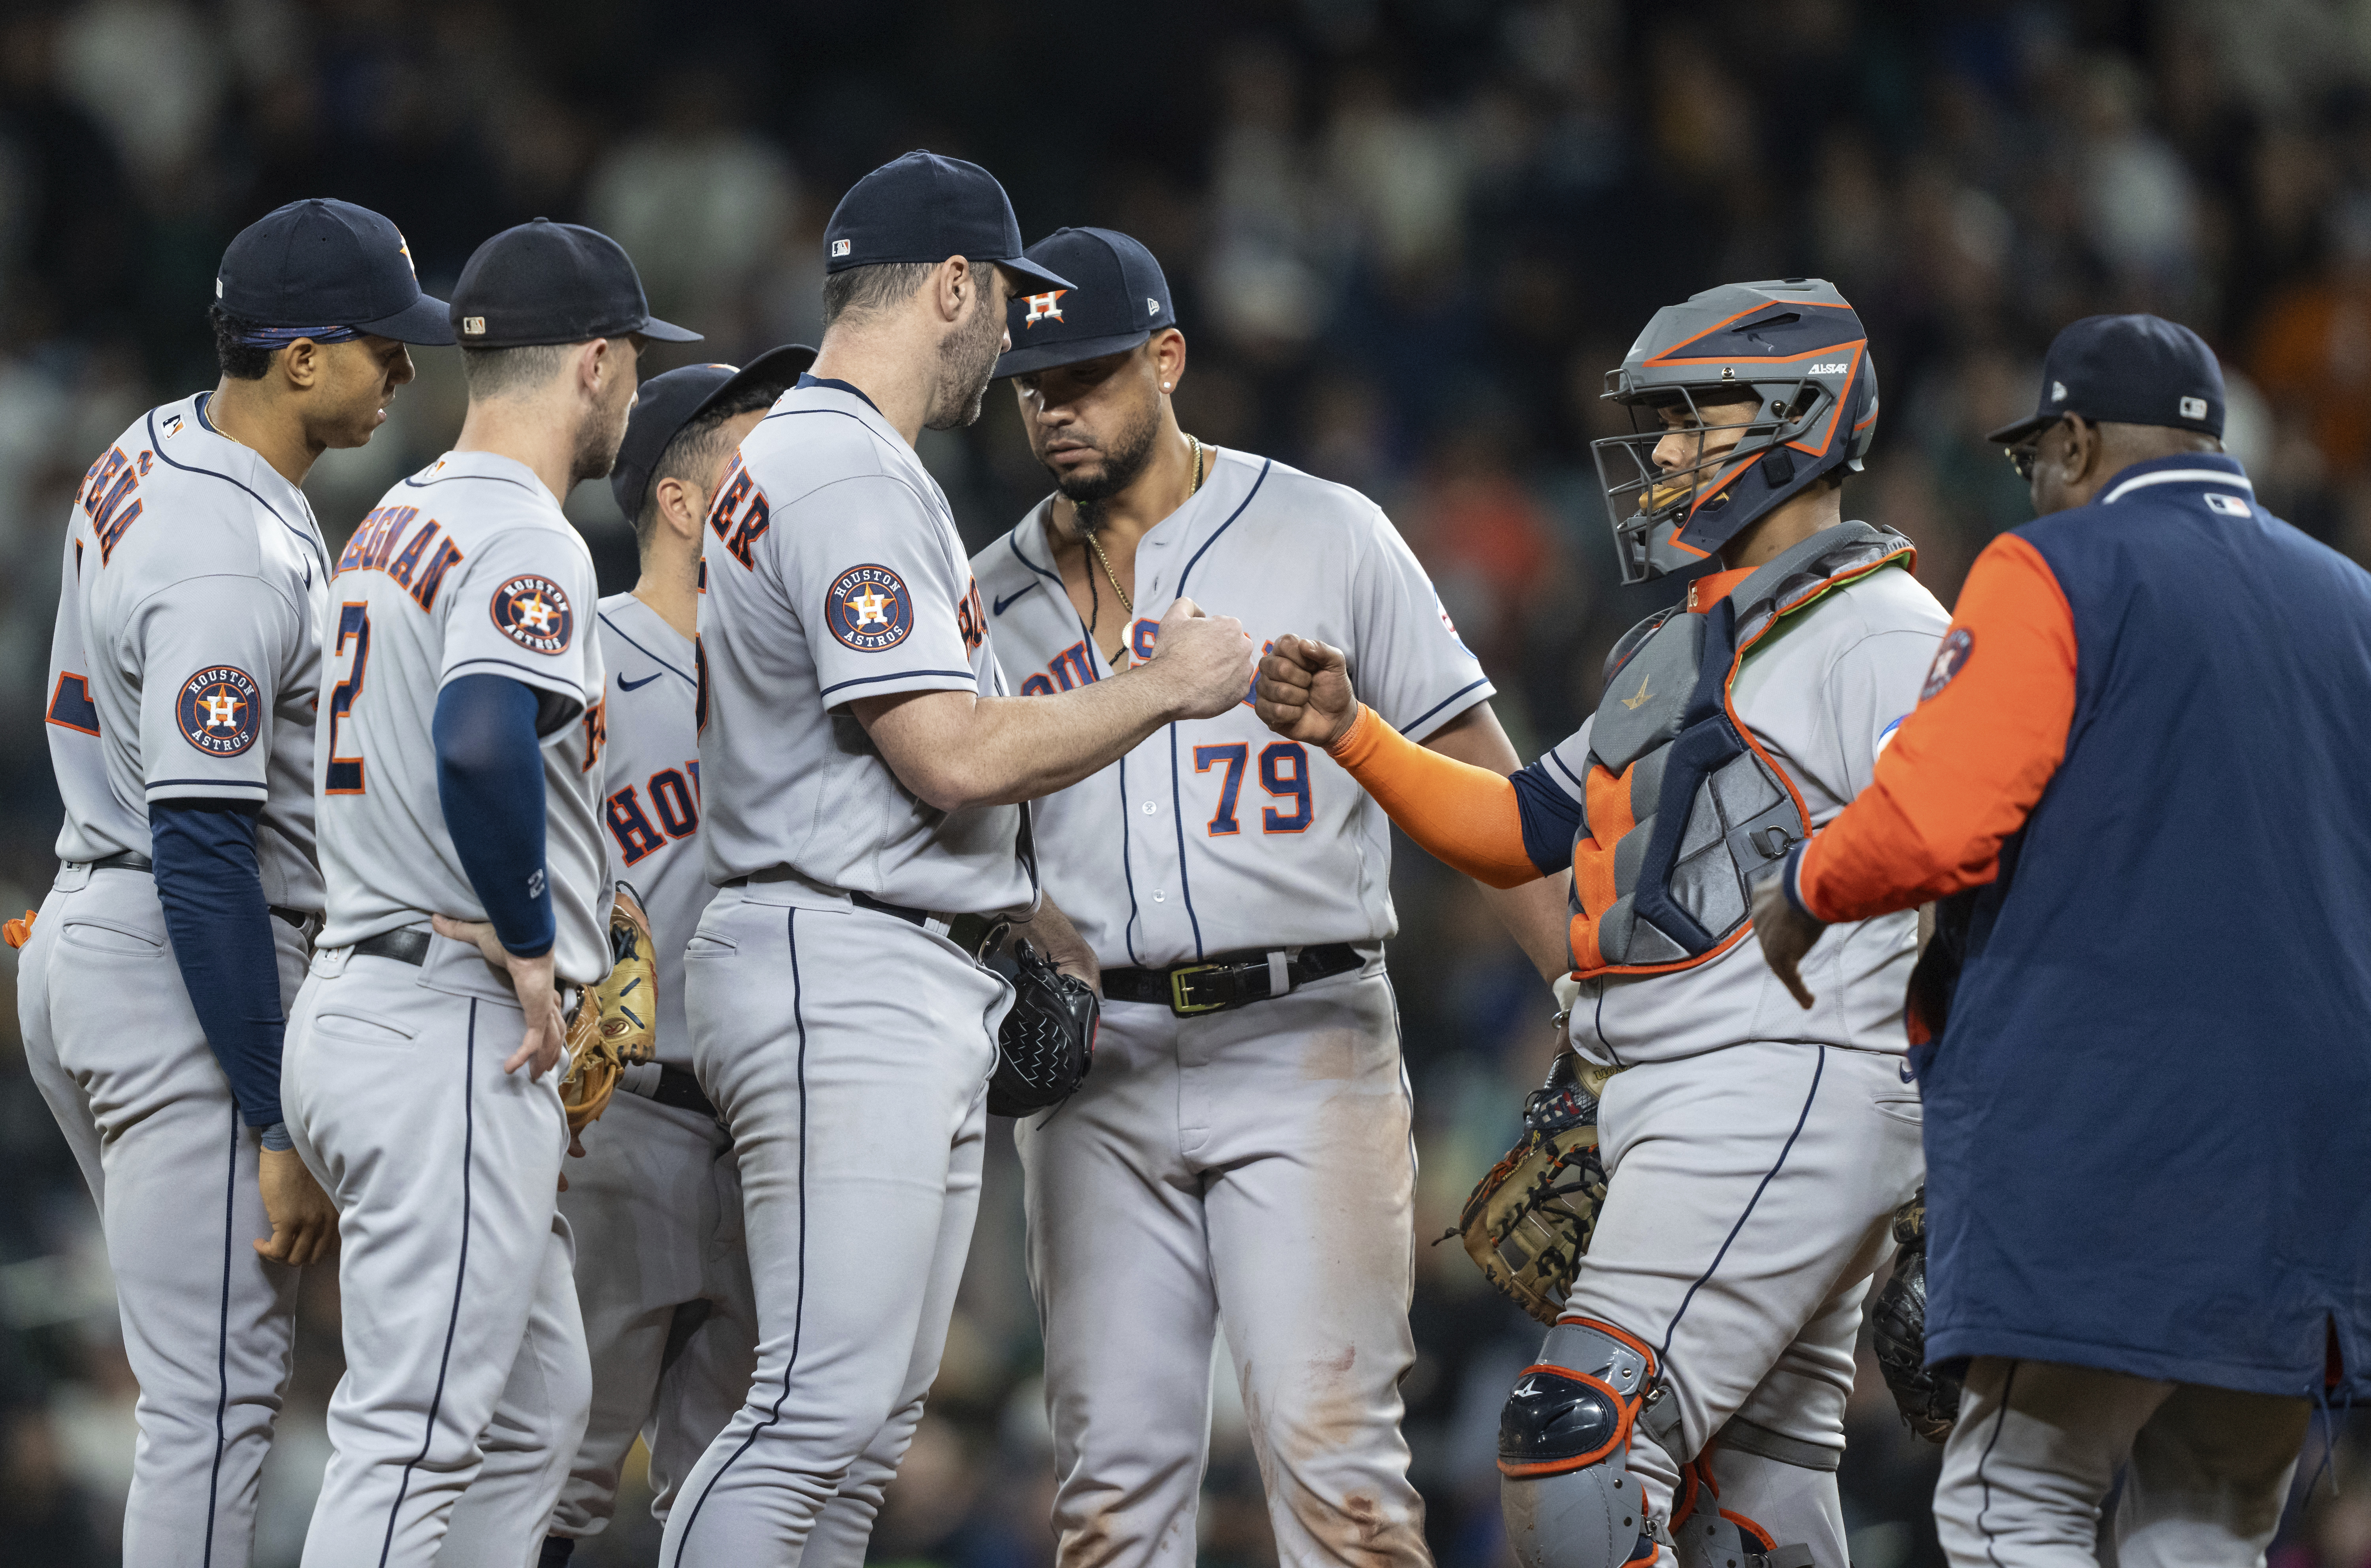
[(1215, 835), (467, 567), (651, 794), (834, 571), (188, 647)]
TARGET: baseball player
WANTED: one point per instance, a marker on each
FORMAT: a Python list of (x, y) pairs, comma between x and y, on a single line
[(150, 993), (654, 1206), (459, 784), (1243, 1144), (1756, 1152), (2155, 649), (861, 762)]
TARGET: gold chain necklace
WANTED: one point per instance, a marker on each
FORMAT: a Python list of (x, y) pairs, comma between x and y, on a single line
[(1127, 604)]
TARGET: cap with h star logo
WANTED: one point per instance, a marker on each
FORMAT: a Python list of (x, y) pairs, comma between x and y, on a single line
[(2139, 370), (1120, 299), (328, 270)]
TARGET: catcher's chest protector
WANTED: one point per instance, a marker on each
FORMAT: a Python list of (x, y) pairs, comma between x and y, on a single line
[(1684, 809)]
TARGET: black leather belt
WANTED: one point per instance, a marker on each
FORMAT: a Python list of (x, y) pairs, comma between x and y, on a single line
[(975, 934), (679, 1091), (129, 862), (1229, 980), (402, 946)]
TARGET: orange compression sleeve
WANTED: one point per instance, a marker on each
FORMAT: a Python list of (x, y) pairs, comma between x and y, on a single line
[(1968, 765), (1466, 815)]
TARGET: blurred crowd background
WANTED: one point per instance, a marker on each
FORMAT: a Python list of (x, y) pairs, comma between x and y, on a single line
[(1406, 239)]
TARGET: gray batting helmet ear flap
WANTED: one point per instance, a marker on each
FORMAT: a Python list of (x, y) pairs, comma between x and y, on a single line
[(1792, 355)]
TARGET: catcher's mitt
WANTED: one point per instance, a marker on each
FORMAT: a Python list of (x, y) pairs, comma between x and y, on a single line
[(1529, 1220), (615, 1022), (1048, 1042), (1928, 1399)]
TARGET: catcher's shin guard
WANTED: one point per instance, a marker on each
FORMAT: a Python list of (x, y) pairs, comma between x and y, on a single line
[(1706, 1534), (1563, 1445)]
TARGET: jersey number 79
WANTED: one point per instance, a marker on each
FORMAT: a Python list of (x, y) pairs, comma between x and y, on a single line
[(1283, 773)]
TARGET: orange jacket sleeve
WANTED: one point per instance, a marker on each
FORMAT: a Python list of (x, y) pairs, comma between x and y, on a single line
[(1468, 816), (1967, 765)]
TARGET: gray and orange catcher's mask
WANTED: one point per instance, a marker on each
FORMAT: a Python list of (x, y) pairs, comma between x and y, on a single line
[(1784, 362)]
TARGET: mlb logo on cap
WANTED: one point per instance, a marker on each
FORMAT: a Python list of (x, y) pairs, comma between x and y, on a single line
[(2193, 407), (840, 248)]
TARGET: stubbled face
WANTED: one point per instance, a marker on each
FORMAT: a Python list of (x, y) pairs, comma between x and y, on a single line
[(1695, 443), (967, 355), (604, 430), (357, 381), (1093, 423)]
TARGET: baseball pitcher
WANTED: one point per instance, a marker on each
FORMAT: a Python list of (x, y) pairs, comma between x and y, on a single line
[(1242, 1146), (180, 723), (862, 765), (459, 777), (1689, 1403)]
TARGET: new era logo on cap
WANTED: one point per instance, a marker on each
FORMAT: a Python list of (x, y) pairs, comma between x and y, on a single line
[(2193, 407), (2058, 391), (1151, 305)]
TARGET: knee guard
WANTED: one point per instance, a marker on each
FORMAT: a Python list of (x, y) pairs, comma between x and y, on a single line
[(1706, 1534), (1564, 1446)]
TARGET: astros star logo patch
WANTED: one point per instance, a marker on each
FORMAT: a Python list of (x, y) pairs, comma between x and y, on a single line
[(534, 613), (868, 609), (218, 711), (1950, 660)]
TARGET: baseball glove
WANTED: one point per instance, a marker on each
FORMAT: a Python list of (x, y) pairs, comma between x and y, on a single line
[(1529, 1220), (1048, 1042), (615, 1021), (1928, 1399)]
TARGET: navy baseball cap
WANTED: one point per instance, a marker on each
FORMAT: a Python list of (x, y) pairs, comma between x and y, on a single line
[(328, 265), (923, 207), (2139, 370), (548, 282), (1119, 300), (667, 403)]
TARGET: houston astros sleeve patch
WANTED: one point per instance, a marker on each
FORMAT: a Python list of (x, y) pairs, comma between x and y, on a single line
[(534, 612), (868, 609), (219, 711)]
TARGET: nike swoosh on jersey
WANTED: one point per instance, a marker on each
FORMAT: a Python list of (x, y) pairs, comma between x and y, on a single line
[(1002, 604), (625, 685)]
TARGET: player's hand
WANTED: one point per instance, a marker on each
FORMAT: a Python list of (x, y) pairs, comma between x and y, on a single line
[(1051, 933), (539, 993), (1787, 935), (304, 1220), (1304, 691), (1208, 660)]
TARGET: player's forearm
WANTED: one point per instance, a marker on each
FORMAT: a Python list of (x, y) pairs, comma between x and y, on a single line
[(490, 783), (1533, 913), (1467, 816), (957, 752), (212, 892)]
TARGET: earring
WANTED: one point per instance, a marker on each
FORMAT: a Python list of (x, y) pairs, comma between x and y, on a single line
[(1164, 387)]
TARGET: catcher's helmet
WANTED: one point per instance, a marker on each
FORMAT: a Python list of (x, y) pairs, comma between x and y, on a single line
[(1792, 346)]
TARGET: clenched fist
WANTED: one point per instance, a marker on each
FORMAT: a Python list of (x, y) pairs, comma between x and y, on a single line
[(1206, 659), (1304, 691)]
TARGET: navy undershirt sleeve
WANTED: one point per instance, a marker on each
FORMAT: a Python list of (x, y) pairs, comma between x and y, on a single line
[(1551, 818), (489, 781), (220, 924)]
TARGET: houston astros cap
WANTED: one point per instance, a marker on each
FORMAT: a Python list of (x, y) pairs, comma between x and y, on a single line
[(328, 270), (2138, 370), (1119, 299), (548, 282), (923, 207), (667, 403)]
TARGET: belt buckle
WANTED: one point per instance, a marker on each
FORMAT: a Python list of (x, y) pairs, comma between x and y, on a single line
[(1180, 1001)]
